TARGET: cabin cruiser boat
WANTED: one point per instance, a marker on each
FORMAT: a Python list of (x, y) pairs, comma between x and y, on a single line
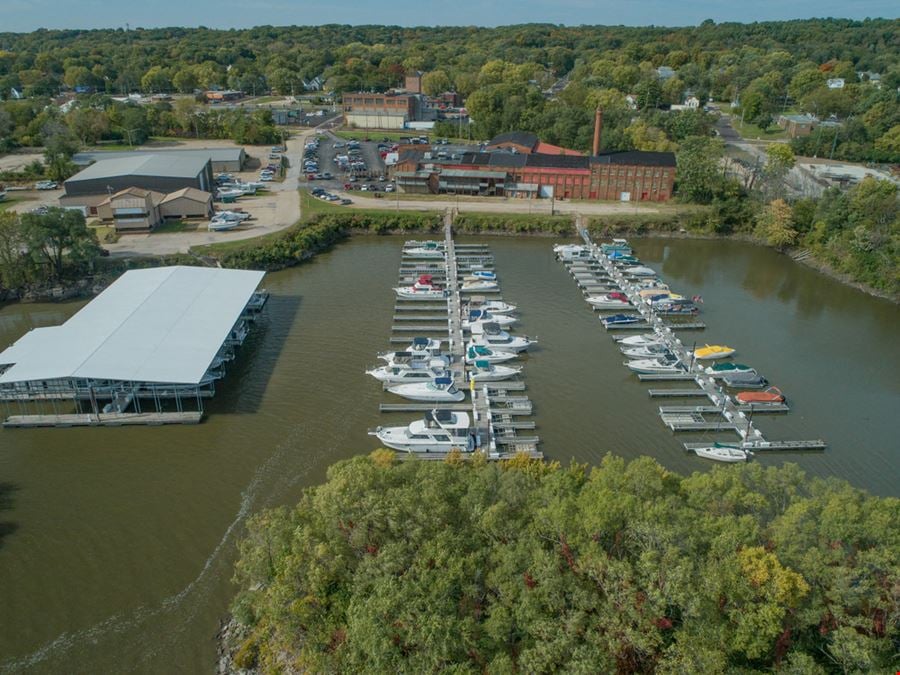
[(493, 306), (656, 366), (623, 258), (438, 431), (644, 340), (470, 285), (396, 359), (428, 249), (639, 271), (617, 246), (646, 352), (568, 252), (656, 292), (414, 371), (770, 395), (620, 319), (439, 390), (476, 352), (722, 452), (492, 336), (613, 300), (710, 352), (674, 307), (488, 275), (423, 289), (744, 380), (420, 347), (483, 316), (485, 371)]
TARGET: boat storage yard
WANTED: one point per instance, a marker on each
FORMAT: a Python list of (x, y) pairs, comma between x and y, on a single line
[(147, 350), (451, 325), (631, 298)]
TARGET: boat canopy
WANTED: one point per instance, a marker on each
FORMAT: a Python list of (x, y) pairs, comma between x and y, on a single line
[(476, 313), (484, 365), (479, 350), (425, 279), (443, 380), (421, 341)]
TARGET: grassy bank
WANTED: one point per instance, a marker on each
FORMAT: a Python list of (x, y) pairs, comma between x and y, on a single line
[(519, 223), (696, 219)]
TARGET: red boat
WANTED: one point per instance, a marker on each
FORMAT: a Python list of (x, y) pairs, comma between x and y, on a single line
[(770, 395)]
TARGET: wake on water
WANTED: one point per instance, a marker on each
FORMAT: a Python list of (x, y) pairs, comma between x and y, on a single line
[(270, 480)]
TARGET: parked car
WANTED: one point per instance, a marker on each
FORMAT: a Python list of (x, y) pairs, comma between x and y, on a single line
[(382, 178), (346, 201), (389, 188), (46, 185), (327, 175), (348, 186)]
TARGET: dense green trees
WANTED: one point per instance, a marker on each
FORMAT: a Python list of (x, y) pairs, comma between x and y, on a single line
[(523, 566), (39, 248), (765, 66)]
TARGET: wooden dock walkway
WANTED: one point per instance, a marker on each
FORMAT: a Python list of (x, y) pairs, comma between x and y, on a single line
[(103, 419)]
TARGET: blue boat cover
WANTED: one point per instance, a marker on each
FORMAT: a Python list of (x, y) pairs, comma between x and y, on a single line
[(420, 341), (443, 380)]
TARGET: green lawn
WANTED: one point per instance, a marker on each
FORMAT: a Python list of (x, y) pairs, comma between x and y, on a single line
[(752, 132), (267, 99), (9, 202), (172, 226)]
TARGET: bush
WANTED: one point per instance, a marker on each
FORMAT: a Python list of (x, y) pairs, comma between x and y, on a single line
[(696, 219), (514, 223)]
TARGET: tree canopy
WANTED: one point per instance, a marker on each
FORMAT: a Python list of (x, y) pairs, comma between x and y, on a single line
[(469, 566)]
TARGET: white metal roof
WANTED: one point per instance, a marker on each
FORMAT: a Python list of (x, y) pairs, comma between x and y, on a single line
[(170, 165), (163, 324)]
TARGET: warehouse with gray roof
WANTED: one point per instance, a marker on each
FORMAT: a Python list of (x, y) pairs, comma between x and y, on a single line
[(222, 159)]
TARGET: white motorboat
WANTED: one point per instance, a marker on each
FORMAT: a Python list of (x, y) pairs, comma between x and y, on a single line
[(439, 390), (428, 249), (420, 347), (485, 371), (222, 225), (639, 271), (721, 452), (660, 365), (644, 340), (645, 352), (471, 285), (567, 252), (439, 431), (415, 371), (493, 306), (423, 289), (608, 301), (492, 336), (481, 353), (229, 193), (482, 274), (436, 361), (484, 316)]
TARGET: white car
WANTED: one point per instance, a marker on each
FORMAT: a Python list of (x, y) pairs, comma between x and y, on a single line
[(45, 185), (388, 188)]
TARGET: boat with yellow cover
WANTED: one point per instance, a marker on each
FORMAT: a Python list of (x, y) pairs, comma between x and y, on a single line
[(713, 352)]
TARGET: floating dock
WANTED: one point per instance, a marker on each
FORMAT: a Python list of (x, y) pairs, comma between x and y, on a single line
[(597, 273), (499, 410)]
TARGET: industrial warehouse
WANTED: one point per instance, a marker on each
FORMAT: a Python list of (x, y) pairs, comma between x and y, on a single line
[(519, 164), (147, 350)]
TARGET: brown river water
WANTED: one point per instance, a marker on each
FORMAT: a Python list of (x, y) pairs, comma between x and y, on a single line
[(117, 545)]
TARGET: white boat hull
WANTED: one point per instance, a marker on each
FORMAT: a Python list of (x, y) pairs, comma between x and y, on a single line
[(407, 294), (497, 374), (501, 320), (478, 286), (385, 374), (728, 455), (608, 304), (515, 346), (417, 392)]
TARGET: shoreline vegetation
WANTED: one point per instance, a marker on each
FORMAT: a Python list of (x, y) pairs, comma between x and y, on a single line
[(324, 228), (740, 568)]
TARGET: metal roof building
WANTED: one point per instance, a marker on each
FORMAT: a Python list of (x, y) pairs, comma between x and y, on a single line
[(161, 172), (162, 334), (222, 159)]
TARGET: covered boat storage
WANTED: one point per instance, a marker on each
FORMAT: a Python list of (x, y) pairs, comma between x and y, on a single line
[(147, 350)]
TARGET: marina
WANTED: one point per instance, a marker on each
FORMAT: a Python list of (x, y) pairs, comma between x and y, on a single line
[(445, 376), (640, 292)]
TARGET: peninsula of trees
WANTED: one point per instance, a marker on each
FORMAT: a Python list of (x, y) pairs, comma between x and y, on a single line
[(519, 566)]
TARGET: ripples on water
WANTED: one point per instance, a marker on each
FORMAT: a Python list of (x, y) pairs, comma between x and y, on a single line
[(126, 537)]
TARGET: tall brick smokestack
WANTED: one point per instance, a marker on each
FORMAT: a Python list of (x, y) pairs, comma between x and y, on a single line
[(598, 128)]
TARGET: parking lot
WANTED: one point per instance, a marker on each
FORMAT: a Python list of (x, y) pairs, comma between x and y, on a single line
[(363, 166)]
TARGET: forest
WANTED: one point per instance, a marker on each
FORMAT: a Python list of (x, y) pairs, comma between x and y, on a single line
[(522, 566), (762, 68)]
